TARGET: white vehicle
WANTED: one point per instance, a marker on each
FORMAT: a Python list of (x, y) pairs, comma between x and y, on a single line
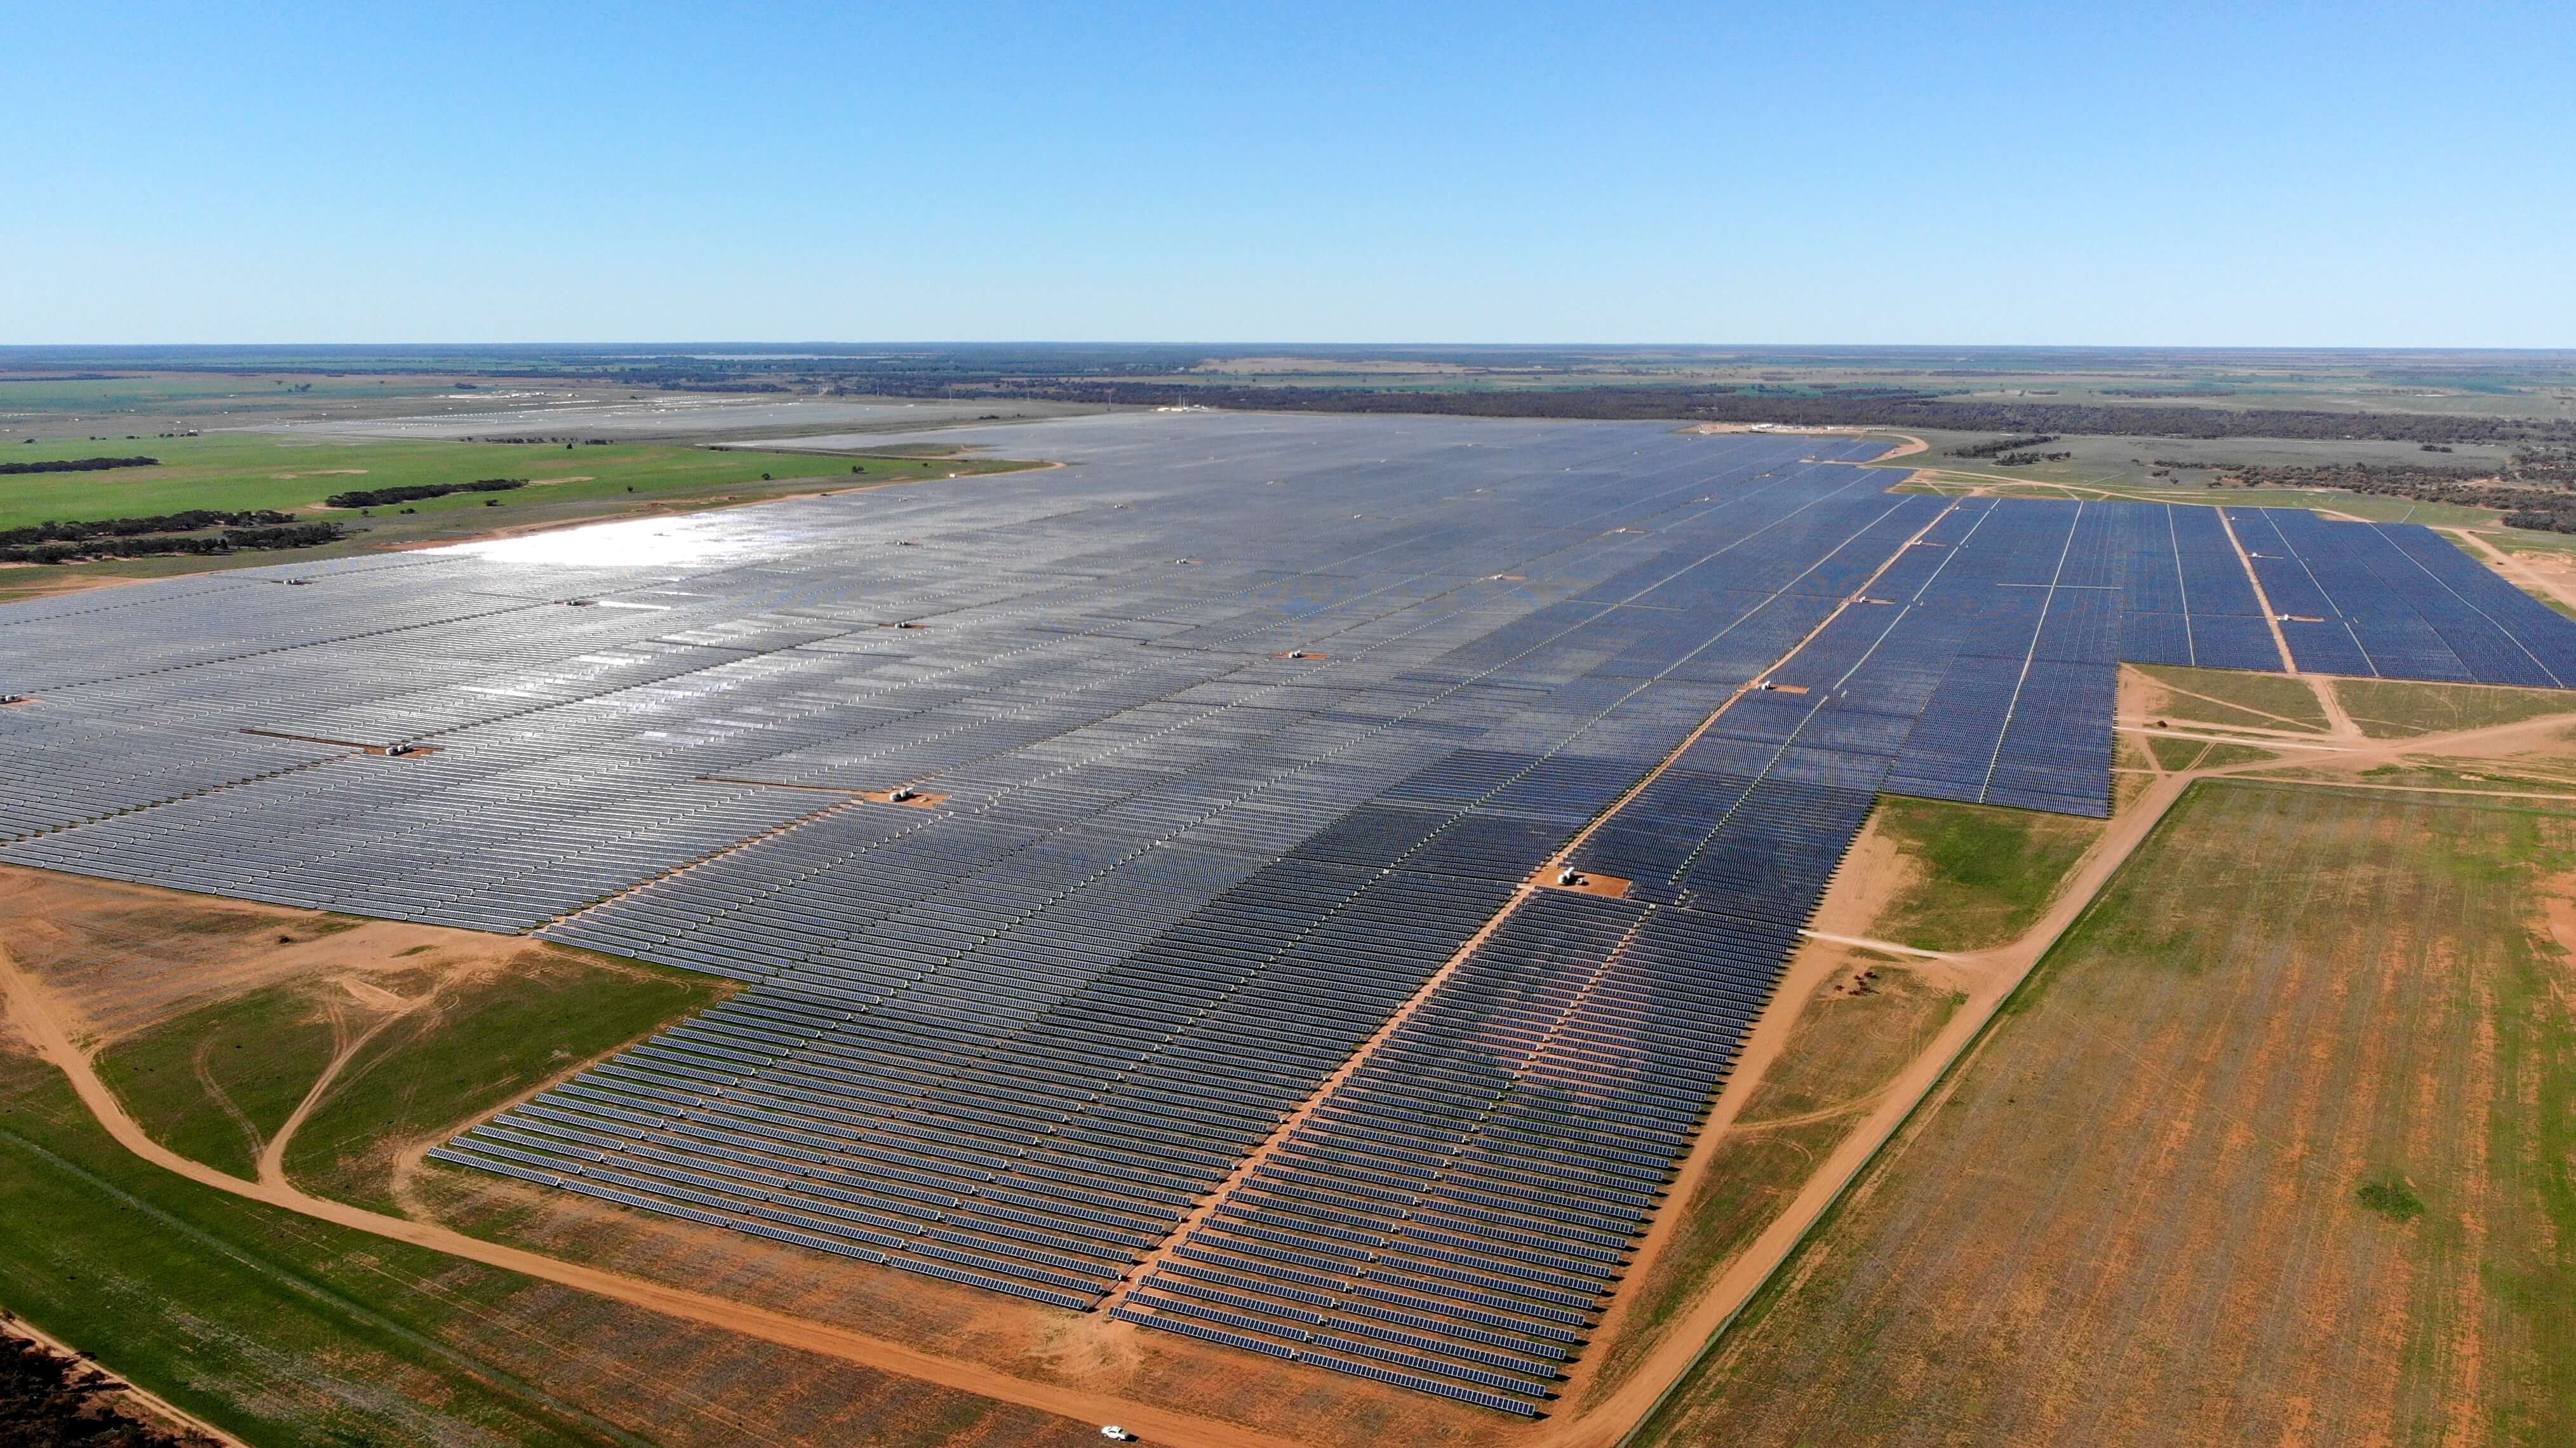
[(1115, 1433)]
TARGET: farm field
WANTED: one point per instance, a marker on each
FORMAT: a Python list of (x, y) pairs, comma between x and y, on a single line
[(2273, 1146), (293, 474), (415, 400), (68, 405), (2386, 710), (2392, 382), (239, 472)]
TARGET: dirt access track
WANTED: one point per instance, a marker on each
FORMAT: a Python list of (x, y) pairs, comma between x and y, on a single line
[(67, 1035)]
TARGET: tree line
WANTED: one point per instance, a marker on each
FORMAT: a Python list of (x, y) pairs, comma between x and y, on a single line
[(149, 545), (2002, 445), (412, 493), (182, 522), (2536, 489), (78, 465)]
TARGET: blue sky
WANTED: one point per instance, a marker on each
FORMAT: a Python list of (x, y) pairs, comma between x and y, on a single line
[(2177, 174)]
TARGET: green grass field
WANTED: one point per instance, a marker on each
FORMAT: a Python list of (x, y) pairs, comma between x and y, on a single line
[(2218, 756), (2528, 540), (2392, 710), (292, 1333), (1983, 874), (2227, 696), (241, 471), (2182, 754), (237, 472), (2279, 1144), (478, 1043), (216, 1083)]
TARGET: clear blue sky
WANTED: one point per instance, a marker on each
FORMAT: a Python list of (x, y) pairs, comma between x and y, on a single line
[(2185, 173)]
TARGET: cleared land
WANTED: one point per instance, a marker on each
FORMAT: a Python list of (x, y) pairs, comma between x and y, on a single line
[(2173, 1196), (433, 398), (77, 403)]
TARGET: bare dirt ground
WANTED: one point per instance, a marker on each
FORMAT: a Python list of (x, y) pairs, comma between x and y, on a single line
[(128, 956), (2551, 575), (35, 580), (1907, 445)]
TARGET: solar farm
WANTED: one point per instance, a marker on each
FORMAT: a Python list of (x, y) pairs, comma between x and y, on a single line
[(1293, 883)]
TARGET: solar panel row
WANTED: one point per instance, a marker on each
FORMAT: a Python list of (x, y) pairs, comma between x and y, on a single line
[(1466, 1196), (1188, 1026), (2398, 602)]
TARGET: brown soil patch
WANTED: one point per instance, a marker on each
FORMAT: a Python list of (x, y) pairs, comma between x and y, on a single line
[(129, 956), (2548, 573), (1608, 886), (48, 580), (912, 799), (1872, 876)]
